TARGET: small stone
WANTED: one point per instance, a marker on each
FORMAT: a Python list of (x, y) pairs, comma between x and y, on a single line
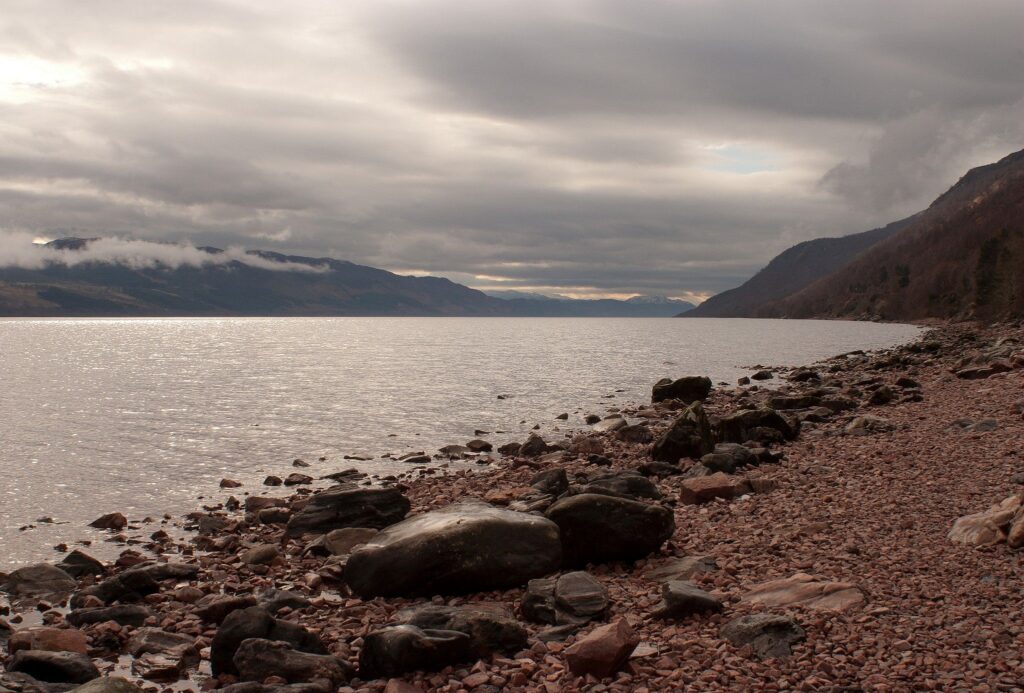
[(603, 651)]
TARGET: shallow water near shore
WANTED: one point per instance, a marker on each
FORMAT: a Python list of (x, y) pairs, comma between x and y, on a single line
[(142, 416)]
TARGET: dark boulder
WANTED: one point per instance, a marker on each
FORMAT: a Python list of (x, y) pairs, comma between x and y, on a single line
[(692, 388), (597, 528), (79, 564), (624, 485), (256, 659), (573, 598), (256, 622), (659, 469), (396, 650), (635, 433), (466, 547), (214, 608), (762, 424), (39, 580), (535, 446), (552, 481), (491, 629), (344, 506), (688, 436), (728, 457), (54, 667), (123, 614)]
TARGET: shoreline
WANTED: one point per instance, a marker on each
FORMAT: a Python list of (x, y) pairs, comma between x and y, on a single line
[(804, 513)]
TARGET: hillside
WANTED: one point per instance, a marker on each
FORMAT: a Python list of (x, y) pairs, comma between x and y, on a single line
[(963, 257), (791, 271), (316, 286)]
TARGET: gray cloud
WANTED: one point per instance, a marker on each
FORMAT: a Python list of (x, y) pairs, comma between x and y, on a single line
[(589, 147)]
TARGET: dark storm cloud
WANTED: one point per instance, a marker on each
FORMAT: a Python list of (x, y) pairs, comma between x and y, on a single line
[(588, 147)]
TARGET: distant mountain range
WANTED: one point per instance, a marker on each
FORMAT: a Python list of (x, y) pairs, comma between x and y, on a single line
[(260, 283), (961, 258)]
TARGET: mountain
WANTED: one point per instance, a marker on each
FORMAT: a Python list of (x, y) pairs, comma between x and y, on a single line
[(790, 271), (264, 283), (523, 303), (961, 258)]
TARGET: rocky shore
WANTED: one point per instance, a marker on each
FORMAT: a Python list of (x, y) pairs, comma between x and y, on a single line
[(847, 526)]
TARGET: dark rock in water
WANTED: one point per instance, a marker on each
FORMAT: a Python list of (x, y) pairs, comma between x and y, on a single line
[(688, 436), (54, 667), (756, 424), (534, 446), (573, 598), (564, 416), (253, 504), (214, 608), (466, 547), (257, 659), (273, 600), (396, 650), (624, 485), (635, 433), (256, 622), (491, 629), (743, 380), (478, 445), (115, 521), (39, 580), (681, 568), (597, 528), (122, 614), (349, 507), (274, 516), (272, 481), (728, 457), (802, 375), (551, 481), (610, 423), (591, 419), (692, 388), (762, 375), (659, 469), (509, 449), (296, 479), (454, 450), (769, 635), (417, 459), (681, 599), (108, 684), (79, 564)]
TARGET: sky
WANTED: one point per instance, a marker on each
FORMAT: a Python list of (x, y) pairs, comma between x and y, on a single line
[(605, 148)]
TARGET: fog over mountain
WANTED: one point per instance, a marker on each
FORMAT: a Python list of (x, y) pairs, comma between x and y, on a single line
[(599, 148)]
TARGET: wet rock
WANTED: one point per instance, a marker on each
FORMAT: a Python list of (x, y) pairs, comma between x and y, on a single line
[(230, 483), (108, 684), (79, 564), (39, 580), (122, 614), (274, 516), (728, 457), (764, 424), (689, 389), (684, 568), (256, 622), (553, 481), (703, 489), (610, 424), (349, 507), (49, 639), (272, 481), (54, 667), (603, 651), (158, 667), (214, 608), (273, 600), (659, 469), (680, 599), (509, 449), (455, 451), (254, 504), (802, 375), (573, 598), (591, 419), (257, 659), (466, 547), (768, 635), (162, 642), (491, 629), (535, 446), (396, 650), (261, 554), (743, 380), (115, 521), (597, 528), (806, 590), (297, 479), (635, 433), (478, 445), (624, 485), (762, 375), (417, 459), (688, 436)]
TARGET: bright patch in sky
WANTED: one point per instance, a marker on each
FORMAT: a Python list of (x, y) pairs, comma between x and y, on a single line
[(741, 160), (21, 78)]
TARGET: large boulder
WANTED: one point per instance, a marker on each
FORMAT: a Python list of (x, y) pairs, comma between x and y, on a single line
[(257, 659), (764, 424), (39, 580), (625, 485), (396, 650), (54, 667), (256, 622), (688, 436), (490, 628), (598, 528), (345, 506), (466, 547), (79, 564), (693, 388), (49, 639)]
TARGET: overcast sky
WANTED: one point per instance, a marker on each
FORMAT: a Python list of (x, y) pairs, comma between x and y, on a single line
[(587, 148)]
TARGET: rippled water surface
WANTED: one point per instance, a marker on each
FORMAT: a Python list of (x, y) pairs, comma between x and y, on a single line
[(142, 416)]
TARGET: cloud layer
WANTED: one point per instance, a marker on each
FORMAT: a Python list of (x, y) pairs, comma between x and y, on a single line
[(603, 147)]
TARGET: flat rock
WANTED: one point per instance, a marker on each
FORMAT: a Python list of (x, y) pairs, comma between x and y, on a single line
[(108, 684), (574, 598), (680, 599), (257, 659), (39, 580), (702, 489), (597, 528), (808, 591), (683, 568), (396, 650), (768, 635), (342, 506), (54, 667), (988, 527), (122, 614), (466, 547), (491, 629), (49, 639), (625, 485)]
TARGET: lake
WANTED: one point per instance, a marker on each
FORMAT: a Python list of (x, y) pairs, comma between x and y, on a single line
[(142, 416)]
